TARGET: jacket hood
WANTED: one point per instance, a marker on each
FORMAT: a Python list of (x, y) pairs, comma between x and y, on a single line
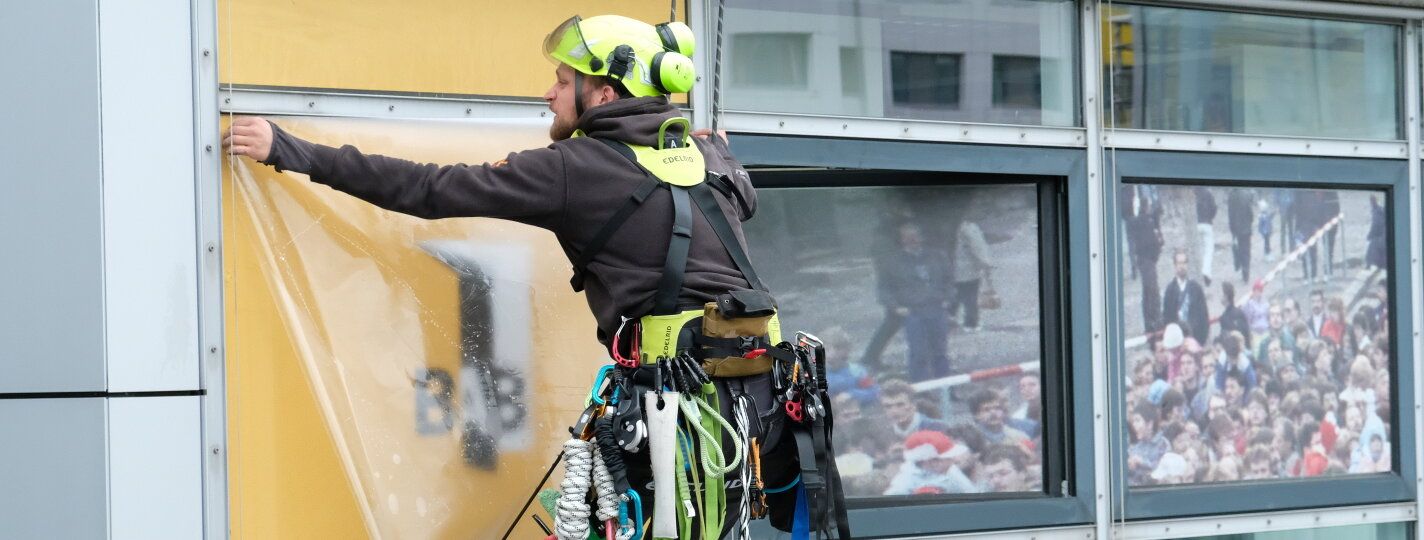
[(631, 120)]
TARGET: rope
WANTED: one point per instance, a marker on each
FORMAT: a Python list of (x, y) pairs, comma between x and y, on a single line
[(571, 520), (717, 70), (603, 483), (744, 434), (711, 445)]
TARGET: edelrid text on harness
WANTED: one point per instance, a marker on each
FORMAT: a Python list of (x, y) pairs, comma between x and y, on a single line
[(692, 353)]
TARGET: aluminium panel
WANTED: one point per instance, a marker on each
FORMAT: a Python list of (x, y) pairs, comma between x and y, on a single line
[(51, 297), (150, 238), (54, 482), (155, 468)]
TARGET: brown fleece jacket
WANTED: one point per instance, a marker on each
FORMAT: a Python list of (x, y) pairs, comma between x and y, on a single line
[(570, 188)]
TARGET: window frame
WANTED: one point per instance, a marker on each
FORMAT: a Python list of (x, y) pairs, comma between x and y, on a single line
[(1183, 168), (1069, 168)]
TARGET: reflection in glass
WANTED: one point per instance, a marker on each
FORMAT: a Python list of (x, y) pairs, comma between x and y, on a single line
[(994, 61), (1192, 70), (911, 285), (1381, 531), (1264, 351)]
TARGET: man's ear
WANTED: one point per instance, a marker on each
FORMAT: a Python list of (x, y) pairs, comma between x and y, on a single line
[(607, 94)]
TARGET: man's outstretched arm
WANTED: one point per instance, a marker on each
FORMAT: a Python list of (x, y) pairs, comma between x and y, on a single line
[(528, 187)]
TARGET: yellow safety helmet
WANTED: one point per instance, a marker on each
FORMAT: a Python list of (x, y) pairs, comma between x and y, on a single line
[(647, 60)]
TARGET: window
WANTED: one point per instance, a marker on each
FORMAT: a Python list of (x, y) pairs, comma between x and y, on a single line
[(943, 301), (1193, 70), (1018, 81), (917, 59), (1256, 312), (1263, 351), (770, 60), (925, 79)]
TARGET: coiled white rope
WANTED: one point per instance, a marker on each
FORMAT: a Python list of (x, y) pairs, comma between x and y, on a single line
[(603, 482), (571, 520)]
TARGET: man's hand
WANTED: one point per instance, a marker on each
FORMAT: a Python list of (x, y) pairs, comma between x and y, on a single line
[(249, 136), (703, 133)]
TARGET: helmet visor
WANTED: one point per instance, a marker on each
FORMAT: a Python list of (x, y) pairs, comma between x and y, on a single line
[(566, 44)]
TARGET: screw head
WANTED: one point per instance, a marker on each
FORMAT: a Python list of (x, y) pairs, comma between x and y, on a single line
[(208, 148)]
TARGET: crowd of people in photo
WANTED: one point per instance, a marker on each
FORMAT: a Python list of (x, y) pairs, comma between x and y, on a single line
[(892, 440), (1291, 384)]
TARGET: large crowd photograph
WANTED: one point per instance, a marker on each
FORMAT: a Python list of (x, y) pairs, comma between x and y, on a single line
[(1257, 337), (928, 300)]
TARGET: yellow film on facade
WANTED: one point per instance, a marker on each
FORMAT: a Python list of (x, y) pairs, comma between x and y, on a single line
[(383, 369)]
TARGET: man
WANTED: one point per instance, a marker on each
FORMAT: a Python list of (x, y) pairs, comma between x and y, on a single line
[(1206, 232), (971, 267), (1316, 323), (989, 419), (931, 466), (609, 89), (914, 282), (1003, 470), (1142, 218), (1240, 216), (1184, 301), (1232, 318), (897, 400)]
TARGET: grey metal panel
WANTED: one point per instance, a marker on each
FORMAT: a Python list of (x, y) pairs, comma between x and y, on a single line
[(156, 468), (150, 225), (53, 483), (51, 291)]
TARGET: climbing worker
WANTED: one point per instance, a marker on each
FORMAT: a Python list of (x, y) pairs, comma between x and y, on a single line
[(708, 418)]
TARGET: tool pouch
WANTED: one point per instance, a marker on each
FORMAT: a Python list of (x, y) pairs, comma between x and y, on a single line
[(736, 325)]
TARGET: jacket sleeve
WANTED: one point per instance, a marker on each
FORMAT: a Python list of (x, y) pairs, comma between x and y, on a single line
[(527, 187)]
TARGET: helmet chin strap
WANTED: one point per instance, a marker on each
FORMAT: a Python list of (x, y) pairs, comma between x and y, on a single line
[(578, 97)]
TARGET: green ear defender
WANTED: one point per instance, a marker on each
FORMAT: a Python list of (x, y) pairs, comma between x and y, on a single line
[(672, 70)]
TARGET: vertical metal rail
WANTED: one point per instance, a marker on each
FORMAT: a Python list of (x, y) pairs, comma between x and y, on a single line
[(1416, 240), (1090, 31), (207, 176), (701, 97)]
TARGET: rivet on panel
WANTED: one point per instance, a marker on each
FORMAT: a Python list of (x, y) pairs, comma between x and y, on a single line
[(1218, 525), (391, 108), (227, 100), (208, 148), (1208, 142), (844, 126), (543, 114), (216, 450), (781, 124), (207, 52), (468, 110), (1158, 140), (211, 247), (212, 350), (1268, 522), (1258, 144), (311, 104), (964, 133)]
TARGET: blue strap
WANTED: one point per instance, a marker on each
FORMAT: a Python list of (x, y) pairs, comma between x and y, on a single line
[(801, 520), (793, 483)]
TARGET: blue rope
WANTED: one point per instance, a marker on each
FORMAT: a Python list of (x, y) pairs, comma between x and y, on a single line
[(788, 485)]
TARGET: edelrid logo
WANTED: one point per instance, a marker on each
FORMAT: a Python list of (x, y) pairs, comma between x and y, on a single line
[(667, 339), (674, 159)]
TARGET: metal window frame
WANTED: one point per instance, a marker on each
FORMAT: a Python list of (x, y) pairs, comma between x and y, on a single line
[(1278, 144), (207, 175), (1067, 164), (1390, 176)]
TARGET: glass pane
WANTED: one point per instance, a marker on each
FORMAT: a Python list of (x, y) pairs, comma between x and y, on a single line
[(924, 284), (1382, 531), (995, 61), (1264, 350), (1192, 70)]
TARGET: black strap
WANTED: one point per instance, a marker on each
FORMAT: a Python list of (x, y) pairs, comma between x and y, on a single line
[(614, 222), (675, 266), (702, 193)]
